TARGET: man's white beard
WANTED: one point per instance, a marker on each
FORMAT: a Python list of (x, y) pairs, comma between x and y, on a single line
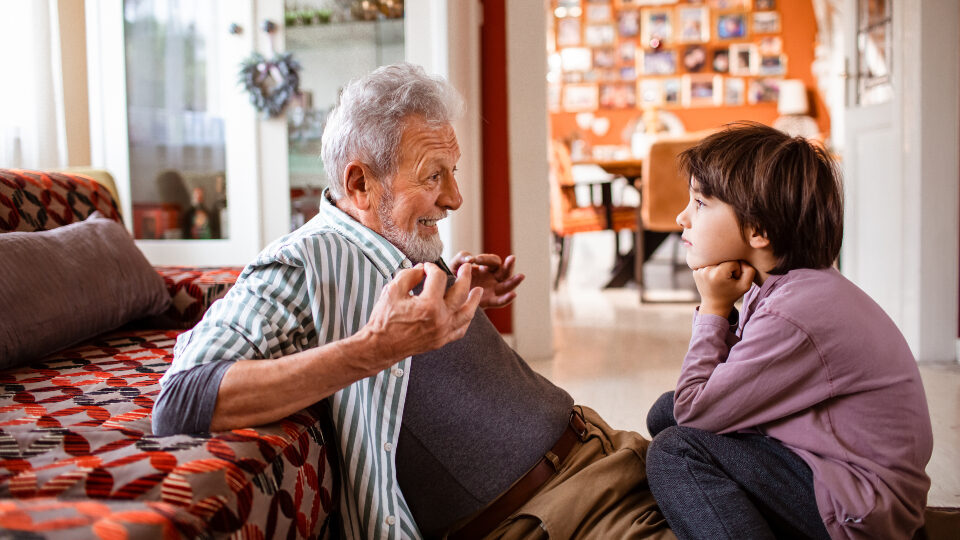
[(415, 247)]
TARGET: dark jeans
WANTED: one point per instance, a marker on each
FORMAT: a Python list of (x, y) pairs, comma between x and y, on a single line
[(735, 486)]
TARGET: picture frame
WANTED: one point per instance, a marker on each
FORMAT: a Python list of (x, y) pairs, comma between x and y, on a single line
[(618, 96), (639, 3), (628, 73), (599, 35), (764, 90), (604, 57), (650, 91), (598, 12), (662, 62), (693, 24), (730, 4), (694, 58), (576, 59), (731, 25), (734, 91), (743, 59), (770, 45), (721, 60), (772, 64), (568, 32), (628, 23), (672, 91), (656, 27), (766, 22), (764, 5), (628, 52), (702, 90), (581, 97)]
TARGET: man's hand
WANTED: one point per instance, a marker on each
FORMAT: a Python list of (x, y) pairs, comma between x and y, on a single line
[(402, 325), (492, 275), (722, 285)]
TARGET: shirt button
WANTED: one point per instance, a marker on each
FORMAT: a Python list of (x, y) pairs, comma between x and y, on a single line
[(391, 521), (397, 372), (406, 264), (388, 447)]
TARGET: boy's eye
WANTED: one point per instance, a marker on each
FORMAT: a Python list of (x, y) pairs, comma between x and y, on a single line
[(699, 203)]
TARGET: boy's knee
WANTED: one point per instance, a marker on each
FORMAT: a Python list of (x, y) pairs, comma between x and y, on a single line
[(660, 416)]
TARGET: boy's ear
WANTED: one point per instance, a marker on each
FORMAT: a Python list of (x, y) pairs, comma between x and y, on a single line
[(758, 239)]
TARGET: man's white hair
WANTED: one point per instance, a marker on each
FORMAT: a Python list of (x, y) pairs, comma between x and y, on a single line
[(368, 121)]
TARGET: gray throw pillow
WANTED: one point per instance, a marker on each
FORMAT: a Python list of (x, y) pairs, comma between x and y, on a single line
[(62, 286)]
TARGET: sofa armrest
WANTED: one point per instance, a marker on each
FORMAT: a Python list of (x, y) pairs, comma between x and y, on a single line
[(193, 290)]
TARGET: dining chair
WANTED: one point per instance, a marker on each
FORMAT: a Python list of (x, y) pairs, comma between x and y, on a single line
[(568, 218), (664, 193)]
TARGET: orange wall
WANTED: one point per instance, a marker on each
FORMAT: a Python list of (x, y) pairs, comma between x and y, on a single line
[(799, 32)]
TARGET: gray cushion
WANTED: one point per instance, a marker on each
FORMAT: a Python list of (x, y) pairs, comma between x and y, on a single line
[(62, 286)]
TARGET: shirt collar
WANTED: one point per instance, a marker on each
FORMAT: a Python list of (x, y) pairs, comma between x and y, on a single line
[(384, 255)]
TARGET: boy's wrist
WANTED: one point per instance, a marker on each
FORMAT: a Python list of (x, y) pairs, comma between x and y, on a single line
[(713, 308)]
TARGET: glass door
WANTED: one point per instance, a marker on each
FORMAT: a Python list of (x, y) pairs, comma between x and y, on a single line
[(176, 129)]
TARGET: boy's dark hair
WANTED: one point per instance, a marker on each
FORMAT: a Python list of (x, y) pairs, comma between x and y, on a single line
[(784, 187)]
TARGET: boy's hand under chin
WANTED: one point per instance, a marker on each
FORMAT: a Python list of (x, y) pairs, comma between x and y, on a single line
[(721, 285)]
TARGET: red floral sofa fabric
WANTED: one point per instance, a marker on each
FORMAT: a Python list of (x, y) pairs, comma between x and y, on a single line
[(193, 290), (40, 201), (77, 455)]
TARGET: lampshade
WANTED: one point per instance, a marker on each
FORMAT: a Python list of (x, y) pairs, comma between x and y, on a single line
[(793, 97)]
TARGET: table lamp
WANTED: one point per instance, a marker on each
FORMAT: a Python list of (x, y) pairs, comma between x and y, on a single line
[(793, 106)]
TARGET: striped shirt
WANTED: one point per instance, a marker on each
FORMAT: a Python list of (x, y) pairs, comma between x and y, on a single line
[(314, 286)]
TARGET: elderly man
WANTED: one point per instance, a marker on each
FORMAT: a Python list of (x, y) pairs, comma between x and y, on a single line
[(443, 429)]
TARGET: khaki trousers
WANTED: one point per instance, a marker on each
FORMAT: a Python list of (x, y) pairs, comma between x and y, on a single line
[(600, 492)]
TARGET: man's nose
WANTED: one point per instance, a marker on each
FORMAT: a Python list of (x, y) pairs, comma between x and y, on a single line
[(450, 194)]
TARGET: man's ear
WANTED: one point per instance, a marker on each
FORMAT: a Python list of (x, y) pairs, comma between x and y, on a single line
[(357, 185), (758, 239)]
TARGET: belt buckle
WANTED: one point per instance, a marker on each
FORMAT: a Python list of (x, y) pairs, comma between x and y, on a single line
[(581, 434)]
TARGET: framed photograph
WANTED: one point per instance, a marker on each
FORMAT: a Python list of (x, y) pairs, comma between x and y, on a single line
[(651, 91), (599, 13), (702, 90), (568, 32), (572, 77), (672, 91), (732, 25), (730, 4), (656, 26), (772, 64), (628, 23), (581, 97), (576, 59), (694, 58), (693, 24), (604, 58), (662, 62), (721, 60), (628, 52), (763, 5), (599, 35), (610, 75), (628, 73), (743, 59), (764, 91), (734, 91), (638, 3), (618, 96), (770, 45), (766, 22)]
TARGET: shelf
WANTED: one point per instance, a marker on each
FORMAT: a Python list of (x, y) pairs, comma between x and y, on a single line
[(380, 31)]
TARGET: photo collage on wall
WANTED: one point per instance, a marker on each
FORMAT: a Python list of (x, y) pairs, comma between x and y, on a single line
[(666, 53)]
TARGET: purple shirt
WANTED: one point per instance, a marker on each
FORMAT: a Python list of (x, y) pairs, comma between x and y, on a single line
[(821, 368)]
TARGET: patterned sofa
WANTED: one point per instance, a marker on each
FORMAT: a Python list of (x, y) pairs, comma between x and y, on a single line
[(77, 456)]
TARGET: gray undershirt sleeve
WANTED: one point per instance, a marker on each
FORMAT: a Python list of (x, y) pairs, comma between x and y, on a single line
[(187, 400)]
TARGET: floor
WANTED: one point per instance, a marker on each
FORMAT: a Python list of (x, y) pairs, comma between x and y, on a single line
[(617, 356)]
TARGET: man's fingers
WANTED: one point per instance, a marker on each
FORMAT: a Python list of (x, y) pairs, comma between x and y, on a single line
[(509, 285), (506, 269), (406, 280), (458, 292), (502, 300), (436, 282), (491, 261), (462, 257), (465, 313)]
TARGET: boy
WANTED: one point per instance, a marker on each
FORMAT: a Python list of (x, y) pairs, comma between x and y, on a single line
[(809, 420)]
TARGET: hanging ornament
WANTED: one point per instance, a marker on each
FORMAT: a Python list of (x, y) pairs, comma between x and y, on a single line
[(270, 84)]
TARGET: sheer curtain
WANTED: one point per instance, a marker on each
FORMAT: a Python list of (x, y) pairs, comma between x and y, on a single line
[(32, 130)]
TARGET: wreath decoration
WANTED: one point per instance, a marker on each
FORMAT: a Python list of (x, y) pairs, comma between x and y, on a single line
[(271, 84)]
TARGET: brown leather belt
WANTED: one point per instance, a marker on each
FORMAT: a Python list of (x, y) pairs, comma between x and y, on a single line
[(523, 489)]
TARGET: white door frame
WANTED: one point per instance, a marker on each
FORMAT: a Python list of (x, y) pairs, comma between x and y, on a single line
[(901, 245)]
